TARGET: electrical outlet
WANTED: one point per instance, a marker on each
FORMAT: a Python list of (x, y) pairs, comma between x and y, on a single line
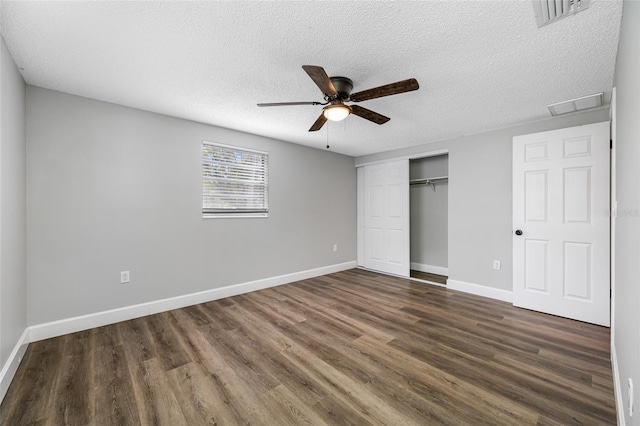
[(630, 396), (124, 277), (335, 247), (496, 265)]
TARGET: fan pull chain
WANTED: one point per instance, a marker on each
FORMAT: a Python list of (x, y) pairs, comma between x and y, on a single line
[(328, 125)]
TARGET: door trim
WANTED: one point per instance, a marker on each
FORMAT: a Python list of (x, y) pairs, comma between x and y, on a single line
[(613, 210), (424, 154), (360, 216)]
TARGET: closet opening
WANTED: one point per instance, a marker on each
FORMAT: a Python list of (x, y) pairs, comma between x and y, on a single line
[(429, 225)]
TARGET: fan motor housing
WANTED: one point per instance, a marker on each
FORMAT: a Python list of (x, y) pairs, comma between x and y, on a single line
[(343, 86)]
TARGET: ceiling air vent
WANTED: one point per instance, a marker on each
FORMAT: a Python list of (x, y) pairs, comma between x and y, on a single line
[(548, 11), (585, 102)]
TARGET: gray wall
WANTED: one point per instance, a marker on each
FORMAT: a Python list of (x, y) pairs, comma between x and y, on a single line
[(429, 212), (13, 269), (110, 188), (480, 197), (627, 287)]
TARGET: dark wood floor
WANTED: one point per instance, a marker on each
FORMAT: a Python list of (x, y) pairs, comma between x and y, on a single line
[(426, 276), (352, 348)]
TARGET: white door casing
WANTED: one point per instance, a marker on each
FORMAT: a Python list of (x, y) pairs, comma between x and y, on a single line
[(360, 216), (614, 211), (561, 205), (386, 217)]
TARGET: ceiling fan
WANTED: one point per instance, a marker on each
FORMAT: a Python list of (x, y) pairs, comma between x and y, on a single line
[(337, 91)]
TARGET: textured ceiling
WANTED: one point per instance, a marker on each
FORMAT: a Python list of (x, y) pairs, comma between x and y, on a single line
[(481, 65)]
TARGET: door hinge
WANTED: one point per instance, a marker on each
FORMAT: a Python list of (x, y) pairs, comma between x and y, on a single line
[(610, 143), (610, 293)]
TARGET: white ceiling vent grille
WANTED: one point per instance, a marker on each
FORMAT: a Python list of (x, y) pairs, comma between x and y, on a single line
[(548, 11), (579, 104)]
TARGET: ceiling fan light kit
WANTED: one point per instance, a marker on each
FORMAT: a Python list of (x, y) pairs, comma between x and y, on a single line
[(337, 91), (337, 112)]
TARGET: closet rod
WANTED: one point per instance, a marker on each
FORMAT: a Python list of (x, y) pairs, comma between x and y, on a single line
[(428, 180)]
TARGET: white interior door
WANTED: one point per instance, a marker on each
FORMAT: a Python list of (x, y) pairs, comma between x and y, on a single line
[(561, 222), (386, 217)]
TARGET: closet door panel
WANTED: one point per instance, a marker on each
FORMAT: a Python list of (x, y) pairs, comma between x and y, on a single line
[(386, 217)]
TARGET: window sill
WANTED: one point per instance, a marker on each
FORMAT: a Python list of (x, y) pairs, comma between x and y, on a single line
[(234, 215)]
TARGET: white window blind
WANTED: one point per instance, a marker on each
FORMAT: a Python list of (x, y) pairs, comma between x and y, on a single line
[(235, 181)]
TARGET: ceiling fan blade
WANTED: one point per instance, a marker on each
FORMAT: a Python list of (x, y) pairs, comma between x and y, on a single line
[(320, 77), (386, 90), (270, 104), (319, 123), (368, 114)]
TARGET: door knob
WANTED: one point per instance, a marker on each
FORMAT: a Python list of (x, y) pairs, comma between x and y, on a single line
[(518, 232)]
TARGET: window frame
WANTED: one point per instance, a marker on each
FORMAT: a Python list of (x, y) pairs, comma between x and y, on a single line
[(230, 212)]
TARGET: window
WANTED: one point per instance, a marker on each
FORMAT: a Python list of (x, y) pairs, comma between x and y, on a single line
[(234, 181)]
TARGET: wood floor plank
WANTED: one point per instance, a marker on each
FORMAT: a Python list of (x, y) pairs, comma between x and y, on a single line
[(138, 344), (284, 310), (445, 392), (292, 410), (357, 397), (335, 412), (530, 391), (201, 398), (166, 345), (256, 323), (422, 397), (30, 401), (73, 384), (249, 403), (304, 386), (322, 308), (197, 314), (216, 312), (351, 348), (234, 354), (194, 343), (157, 404), (112, 397)]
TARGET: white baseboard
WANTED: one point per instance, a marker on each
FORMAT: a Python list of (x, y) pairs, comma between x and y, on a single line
[(98, 319), (11, 366), (430, 269), (481, 290), (617, 387)]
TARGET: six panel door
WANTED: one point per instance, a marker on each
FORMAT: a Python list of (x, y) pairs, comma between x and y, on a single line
[(561, 222), (386, 216)]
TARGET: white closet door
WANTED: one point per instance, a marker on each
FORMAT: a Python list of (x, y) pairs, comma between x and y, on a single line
[(386, 217), (561, 222)]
